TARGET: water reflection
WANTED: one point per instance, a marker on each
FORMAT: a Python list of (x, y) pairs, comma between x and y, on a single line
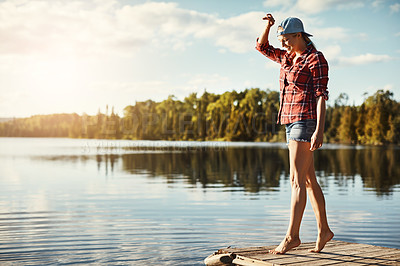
[(251, 168), (258, 168), (376, 166), (108, 160), (255, 168)]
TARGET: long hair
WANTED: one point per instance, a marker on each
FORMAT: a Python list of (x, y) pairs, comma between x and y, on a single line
[(307, 40)]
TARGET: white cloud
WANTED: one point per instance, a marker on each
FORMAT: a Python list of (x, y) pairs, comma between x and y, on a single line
[(377, 3), (334, 56), (199, 82), (317, 6), (277, 3), (272, 65), (104, 27), (237, 33), (141, 90), (330, 33), (313, 23), (362, 36), (114, 93), (363, 59), (201, 79), (370, 90), (314, 6), (395, 8), (388, 87), (332, 52), (45, 27)]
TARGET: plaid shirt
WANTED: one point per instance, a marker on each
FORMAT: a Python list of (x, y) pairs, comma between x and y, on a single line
[(300, 84)]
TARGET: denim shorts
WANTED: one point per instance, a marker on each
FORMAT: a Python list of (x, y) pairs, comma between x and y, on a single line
[(301, 130)]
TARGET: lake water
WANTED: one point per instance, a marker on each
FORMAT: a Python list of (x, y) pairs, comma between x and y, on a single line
[(66, 201)]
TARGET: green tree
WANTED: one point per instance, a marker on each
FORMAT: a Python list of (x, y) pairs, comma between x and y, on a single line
[(379, 109), (347, 126)]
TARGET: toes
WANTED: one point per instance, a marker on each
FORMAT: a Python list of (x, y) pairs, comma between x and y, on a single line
[(274, 252)]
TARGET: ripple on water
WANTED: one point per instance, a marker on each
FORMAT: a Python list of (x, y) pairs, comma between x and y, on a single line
[(143, 211)]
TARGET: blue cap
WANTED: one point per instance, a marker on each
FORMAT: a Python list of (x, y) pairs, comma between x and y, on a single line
[(291, 25)]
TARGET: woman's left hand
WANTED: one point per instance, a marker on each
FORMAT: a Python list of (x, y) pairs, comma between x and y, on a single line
[(316, 140)]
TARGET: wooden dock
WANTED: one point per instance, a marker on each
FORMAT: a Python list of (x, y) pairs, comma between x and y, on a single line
[(334, 253)]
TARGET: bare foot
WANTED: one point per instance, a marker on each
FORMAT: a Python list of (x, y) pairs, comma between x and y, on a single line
[(323, 238), (287, 244)]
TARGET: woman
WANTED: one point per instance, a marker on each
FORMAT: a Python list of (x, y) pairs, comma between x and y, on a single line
[(303, 92)]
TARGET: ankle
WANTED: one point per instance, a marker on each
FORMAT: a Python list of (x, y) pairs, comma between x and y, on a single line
[(291, 238), (324, 230), (324, 233)]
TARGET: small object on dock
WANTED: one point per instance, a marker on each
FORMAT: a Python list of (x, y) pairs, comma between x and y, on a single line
[(335, 252)]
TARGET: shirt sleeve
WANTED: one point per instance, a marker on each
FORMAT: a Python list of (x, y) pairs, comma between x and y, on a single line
[(319, 71), (271, 52)]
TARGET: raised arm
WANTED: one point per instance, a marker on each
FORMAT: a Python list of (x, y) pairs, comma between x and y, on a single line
[(263, 39), (263, 44)]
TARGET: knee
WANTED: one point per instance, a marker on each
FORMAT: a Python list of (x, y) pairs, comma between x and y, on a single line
[(299, 186), (298, 183), (311, 181), (308, 183)]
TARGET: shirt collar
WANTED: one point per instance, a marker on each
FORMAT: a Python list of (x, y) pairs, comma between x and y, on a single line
[(303, 54)]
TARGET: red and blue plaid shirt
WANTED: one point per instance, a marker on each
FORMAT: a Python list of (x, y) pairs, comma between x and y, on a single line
[(300, 83)]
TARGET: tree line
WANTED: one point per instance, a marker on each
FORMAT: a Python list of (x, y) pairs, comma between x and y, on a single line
[(249, 115)]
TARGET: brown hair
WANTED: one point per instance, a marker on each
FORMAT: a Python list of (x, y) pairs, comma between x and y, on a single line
[(307, 40)]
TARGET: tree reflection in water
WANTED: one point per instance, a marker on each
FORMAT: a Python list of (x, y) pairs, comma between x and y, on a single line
[(257, 169)]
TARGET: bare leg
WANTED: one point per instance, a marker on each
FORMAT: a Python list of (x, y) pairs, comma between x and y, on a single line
[(300, 158), (318, 204)]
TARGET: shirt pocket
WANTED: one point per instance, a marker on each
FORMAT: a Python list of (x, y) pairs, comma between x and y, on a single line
[(301, 78), (283, 78)]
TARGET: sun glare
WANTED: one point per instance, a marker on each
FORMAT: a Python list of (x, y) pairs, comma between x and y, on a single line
[(56, 81), (54, 73)]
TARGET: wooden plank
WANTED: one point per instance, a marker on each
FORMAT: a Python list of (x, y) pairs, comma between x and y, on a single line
[(369, 252), (301, 255), (386, 257), (334, 253), (365, 256)]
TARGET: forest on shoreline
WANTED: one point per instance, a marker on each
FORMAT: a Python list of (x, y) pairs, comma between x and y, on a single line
[(249, 115)]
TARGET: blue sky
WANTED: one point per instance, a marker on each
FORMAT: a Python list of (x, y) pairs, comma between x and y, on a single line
[(78, 56)]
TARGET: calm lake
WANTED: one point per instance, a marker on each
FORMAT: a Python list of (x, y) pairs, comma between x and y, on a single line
[(67, 201)]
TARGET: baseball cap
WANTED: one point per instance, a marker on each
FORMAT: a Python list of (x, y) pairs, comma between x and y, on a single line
[(291, 25)]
